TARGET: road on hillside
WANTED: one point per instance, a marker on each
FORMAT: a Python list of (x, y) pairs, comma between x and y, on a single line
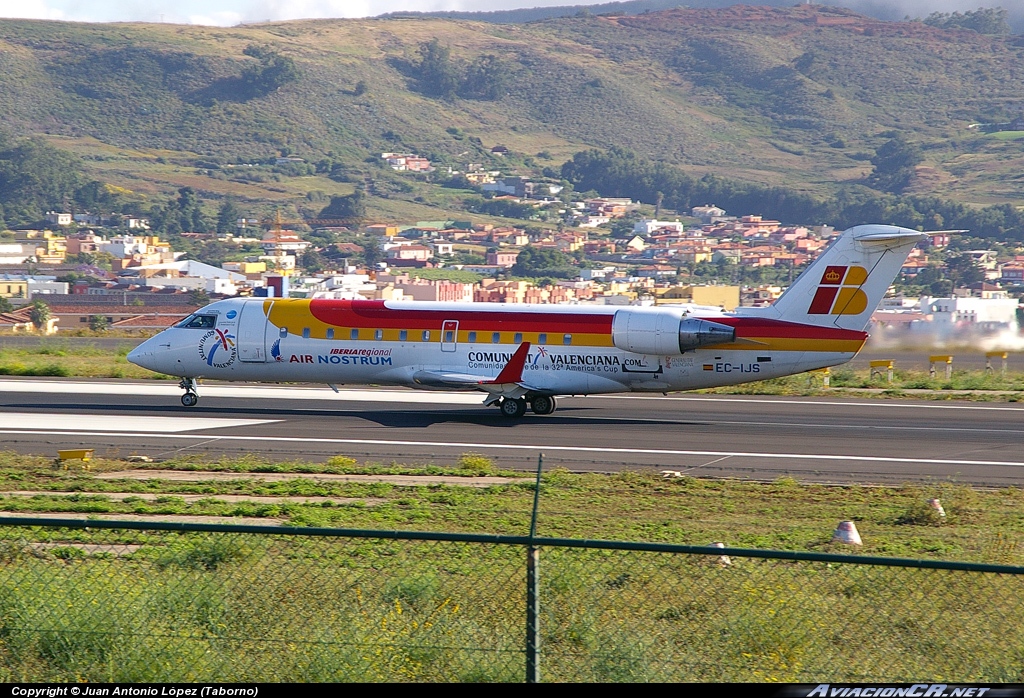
[(761, 438)]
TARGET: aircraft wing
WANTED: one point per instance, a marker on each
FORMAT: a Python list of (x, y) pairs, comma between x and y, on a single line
[(508, 382)]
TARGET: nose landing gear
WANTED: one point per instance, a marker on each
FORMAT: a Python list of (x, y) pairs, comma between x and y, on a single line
[(191, 396)]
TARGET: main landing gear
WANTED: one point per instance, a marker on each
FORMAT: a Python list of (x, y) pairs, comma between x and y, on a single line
[(543, 404), (191, 397), (515, 408)]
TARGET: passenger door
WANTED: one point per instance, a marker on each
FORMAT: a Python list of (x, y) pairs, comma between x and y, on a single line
[(252, 327), (449, 335)]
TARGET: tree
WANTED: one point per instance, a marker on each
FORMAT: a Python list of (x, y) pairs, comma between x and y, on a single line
[(351, 207), (542, 261), (486, 78), (198, 296), (98, 323), (984, 20), (36, 177), (436, 72), (39, 314), (227, 216), (271, 73), (894, 163), (5, 305), (312, 261), (962, 270), (372, 253)]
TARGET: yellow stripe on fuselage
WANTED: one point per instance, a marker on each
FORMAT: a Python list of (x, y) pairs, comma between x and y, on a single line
[(791, 344)]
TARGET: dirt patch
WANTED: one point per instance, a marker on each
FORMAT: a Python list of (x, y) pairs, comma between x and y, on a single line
[(90, 548), (190, 498), (171, 518), (403, 480)]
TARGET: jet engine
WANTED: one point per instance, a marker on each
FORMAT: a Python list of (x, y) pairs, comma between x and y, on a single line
[(665, 332)]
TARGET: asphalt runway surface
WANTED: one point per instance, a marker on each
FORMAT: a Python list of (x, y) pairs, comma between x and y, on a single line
[(832, 440)]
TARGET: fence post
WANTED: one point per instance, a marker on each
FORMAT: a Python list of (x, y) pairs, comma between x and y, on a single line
[(533, 590)]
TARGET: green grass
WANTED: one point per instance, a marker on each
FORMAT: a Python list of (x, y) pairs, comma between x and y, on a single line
[(466, 277), (54, 358), (1006, 135), (983, 385), (626, 506), (129, 606)]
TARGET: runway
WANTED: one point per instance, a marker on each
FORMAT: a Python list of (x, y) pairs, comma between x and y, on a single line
[(750, 437)]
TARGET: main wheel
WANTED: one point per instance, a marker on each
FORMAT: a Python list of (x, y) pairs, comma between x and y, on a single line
[(514, 408), (543, 404), (189, 399)]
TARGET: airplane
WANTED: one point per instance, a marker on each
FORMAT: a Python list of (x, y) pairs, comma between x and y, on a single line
[(526, 356)]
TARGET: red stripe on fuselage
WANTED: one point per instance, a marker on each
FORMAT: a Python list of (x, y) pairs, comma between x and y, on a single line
[(376, 314)]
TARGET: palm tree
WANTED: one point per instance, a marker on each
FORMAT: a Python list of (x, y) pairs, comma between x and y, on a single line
[(39, 314)]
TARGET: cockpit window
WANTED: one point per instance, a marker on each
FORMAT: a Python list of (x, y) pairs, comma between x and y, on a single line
[(200, 322)]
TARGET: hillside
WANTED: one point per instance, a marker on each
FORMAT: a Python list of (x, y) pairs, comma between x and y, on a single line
[(801, 96), (888, 11)]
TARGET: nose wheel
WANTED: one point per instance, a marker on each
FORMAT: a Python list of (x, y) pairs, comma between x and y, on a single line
[(191, 397)]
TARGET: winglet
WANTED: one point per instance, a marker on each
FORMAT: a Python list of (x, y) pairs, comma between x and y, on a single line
[(513, 371)]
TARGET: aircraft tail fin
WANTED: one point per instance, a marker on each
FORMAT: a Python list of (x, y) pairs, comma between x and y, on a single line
[(845, 284)]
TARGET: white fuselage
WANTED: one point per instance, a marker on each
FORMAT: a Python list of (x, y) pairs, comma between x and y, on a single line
[(226, 352)]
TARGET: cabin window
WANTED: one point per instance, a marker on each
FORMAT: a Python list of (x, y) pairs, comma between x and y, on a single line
[(496, 338), (518, 339), (283, 333), (305, 333), (353, 334), (199, 322), (449, 336), (471, 337), (378, 335), (403, 335), (330, 333), (426, 335), (567, 339), (542, 338)]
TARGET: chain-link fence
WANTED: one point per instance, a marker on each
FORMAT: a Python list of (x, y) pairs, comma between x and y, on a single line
[(148, 602)]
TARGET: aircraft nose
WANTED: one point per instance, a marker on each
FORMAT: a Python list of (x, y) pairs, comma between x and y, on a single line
[(144, 355)]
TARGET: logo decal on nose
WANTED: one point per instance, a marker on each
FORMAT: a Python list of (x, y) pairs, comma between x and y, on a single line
[(217, 348)]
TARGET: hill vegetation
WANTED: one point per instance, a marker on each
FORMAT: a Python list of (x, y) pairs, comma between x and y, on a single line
[(804, 101)]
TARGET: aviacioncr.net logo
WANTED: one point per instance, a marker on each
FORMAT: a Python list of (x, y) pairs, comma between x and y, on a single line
[(217, 348)]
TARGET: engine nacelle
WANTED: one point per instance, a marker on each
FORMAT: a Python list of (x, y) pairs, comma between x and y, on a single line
[(665, 332)]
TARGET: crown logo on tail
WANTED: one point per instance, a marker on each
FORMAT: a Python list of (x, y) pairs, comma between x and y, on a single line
[(839, 292)]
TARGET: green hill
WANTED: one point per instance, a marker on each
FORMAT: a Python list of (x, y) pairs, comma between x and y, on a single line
[(800, 96)]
